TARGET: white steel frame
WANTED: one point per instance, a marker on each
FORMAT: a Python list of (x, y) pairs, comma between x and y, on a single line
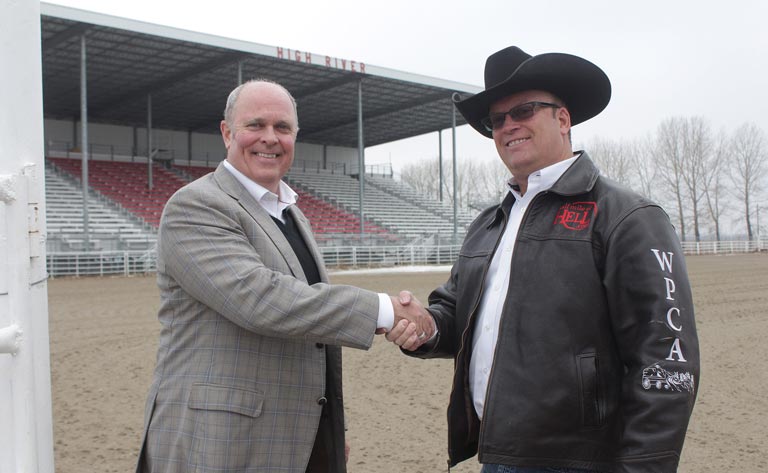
[(26, 428)]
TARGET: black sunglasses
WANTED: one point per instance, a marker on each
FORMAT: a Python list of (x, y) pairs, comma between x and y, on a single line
[(520, 113)]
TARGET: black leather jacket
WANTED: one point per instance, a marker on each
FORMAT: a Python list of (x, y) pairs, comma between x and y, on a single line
[(597, 362)]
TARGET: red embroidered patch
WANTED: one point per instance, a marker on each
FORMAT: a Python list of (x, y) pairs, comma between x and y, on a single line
[(576, 215)]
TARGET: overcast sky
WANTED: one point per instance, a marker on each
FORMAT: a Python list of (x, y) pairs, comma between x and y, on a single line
[(664, 58)]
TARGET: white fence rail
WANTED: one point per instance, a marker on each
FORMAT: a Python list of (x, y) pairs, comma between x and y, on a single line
[(103, 263), (724, 247), (143, 262)]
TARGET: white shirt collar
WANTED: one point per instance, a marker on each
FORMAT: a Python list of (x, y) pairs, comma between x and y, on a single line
[(271, 202), (543, 179)]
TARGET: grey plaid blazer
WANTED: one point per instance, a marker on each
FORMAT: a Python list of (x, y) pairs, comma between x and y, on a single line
[(246, 344)]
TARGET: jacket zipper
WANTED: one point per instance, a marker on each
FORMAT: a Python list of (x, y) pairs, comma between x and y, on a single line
[(501, 322), (469, 324)]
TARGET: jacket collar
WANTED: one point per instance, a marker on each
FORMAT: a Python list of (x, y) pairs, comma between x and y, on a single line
[(579, 178), (229, 184)]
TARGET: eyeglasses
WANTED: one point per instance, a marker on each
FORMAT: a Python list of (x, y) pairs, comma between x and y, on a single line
[(522, 112)]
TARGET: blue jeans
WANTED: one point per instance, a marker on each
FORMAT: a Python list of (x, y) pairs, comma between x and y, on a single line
[(490, 468)]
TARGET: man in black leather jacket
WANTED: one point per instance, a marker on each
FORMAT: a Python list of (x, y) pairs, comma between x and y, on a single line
[(568, 312)]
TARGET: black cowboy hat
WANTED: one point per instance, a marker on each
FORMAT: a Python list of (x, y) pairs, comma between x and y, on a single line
[(583, 86)]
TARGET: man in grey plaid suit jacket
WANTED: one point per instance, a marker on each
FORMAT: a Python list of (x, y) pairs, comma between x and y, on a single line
[(248, 375)]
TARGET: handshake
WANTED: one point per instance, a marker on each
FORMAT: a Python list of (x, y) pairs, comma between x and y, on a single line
[(413, 325)]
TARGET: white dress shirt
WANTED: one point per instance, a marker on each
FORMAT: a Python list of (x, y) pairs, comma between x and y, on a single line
[(496, 283), (274, 205), (271, 202)]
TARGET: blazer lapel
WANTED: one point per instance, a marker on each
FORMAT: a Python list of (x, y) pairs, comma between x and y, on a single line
[(231, 186)]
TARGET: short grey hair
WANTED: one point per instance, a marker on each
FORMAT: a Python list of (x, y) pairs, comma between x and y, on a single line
[(235, 94)]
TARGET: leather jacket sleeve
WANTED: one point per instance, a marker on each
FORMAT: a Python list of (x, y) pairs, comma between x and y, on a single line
[(442, 306), (651, 310)]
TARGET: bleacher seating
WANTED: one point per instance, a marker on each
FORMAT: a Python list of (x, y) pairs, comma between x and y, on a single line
[(127, 184), (109, 228), (393, 211), (325, 218), (409, 194), (193, 172), (406, 215)]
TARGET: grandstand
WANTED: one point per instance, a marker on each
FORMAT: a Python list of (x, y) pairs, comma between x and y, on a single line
[(110, 226), (329, 223), (124, 214), (388, 203), (127, 185), (155, 92)]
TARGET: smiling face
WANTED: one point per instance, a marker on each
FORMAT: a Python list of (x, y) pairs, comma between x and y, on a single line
[(260, 136), (540, 141)]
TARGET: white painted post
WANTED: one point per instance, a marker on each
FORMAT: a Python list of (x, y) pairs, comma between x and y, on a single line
[(26, 432)]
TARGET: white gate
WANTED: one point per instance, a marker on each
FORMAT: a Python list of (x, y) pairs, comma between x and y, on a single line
[(26, 432)]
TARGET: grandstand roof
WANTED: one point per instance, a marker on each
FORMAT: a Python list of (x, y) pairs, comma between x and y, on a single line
[(189, 75)]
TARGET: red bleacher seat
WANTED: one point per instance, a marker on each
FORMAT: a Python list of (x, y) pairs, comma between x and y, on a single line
[(325, 218), (127, 184)]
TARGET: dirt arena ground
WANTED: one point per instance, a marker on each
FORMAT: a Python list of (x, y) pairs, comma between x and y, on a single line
[(104, 335)]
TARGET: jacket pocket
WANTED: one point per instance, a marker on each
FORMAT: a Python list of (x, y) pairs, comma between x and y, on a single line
[(223, 428), (214, 397), (589, 377)]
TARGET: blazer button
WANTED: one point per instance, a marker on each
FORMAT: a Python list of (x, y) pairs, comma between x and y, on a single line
[(319, 345), (322, 401)]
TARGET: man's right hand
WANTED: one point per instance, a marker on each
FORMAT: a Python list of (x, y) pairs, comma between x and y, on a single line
[(413, 324)]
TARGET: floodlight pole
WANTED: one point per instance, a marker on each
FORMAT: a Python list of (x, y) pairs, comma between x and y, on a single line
[(84, 139), (189, 147), (440, 162), (149, 141), (455, 196), (26, 425), (239, 72), (361, 153)]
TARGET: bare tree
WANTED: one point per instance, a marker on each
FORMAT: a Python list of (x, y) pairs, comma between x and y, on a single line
[(490, 182), (641, 154), (669, 159), (748, 166), (628, 162), (695, 134), (422, 176), (713, 183), (478, 182), (613, 159)]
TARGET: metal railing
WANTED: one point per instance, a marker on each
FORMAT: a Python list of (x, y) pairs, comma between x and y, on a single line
[(128, 263), (387, 256), (724, 247), (103, 263)]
